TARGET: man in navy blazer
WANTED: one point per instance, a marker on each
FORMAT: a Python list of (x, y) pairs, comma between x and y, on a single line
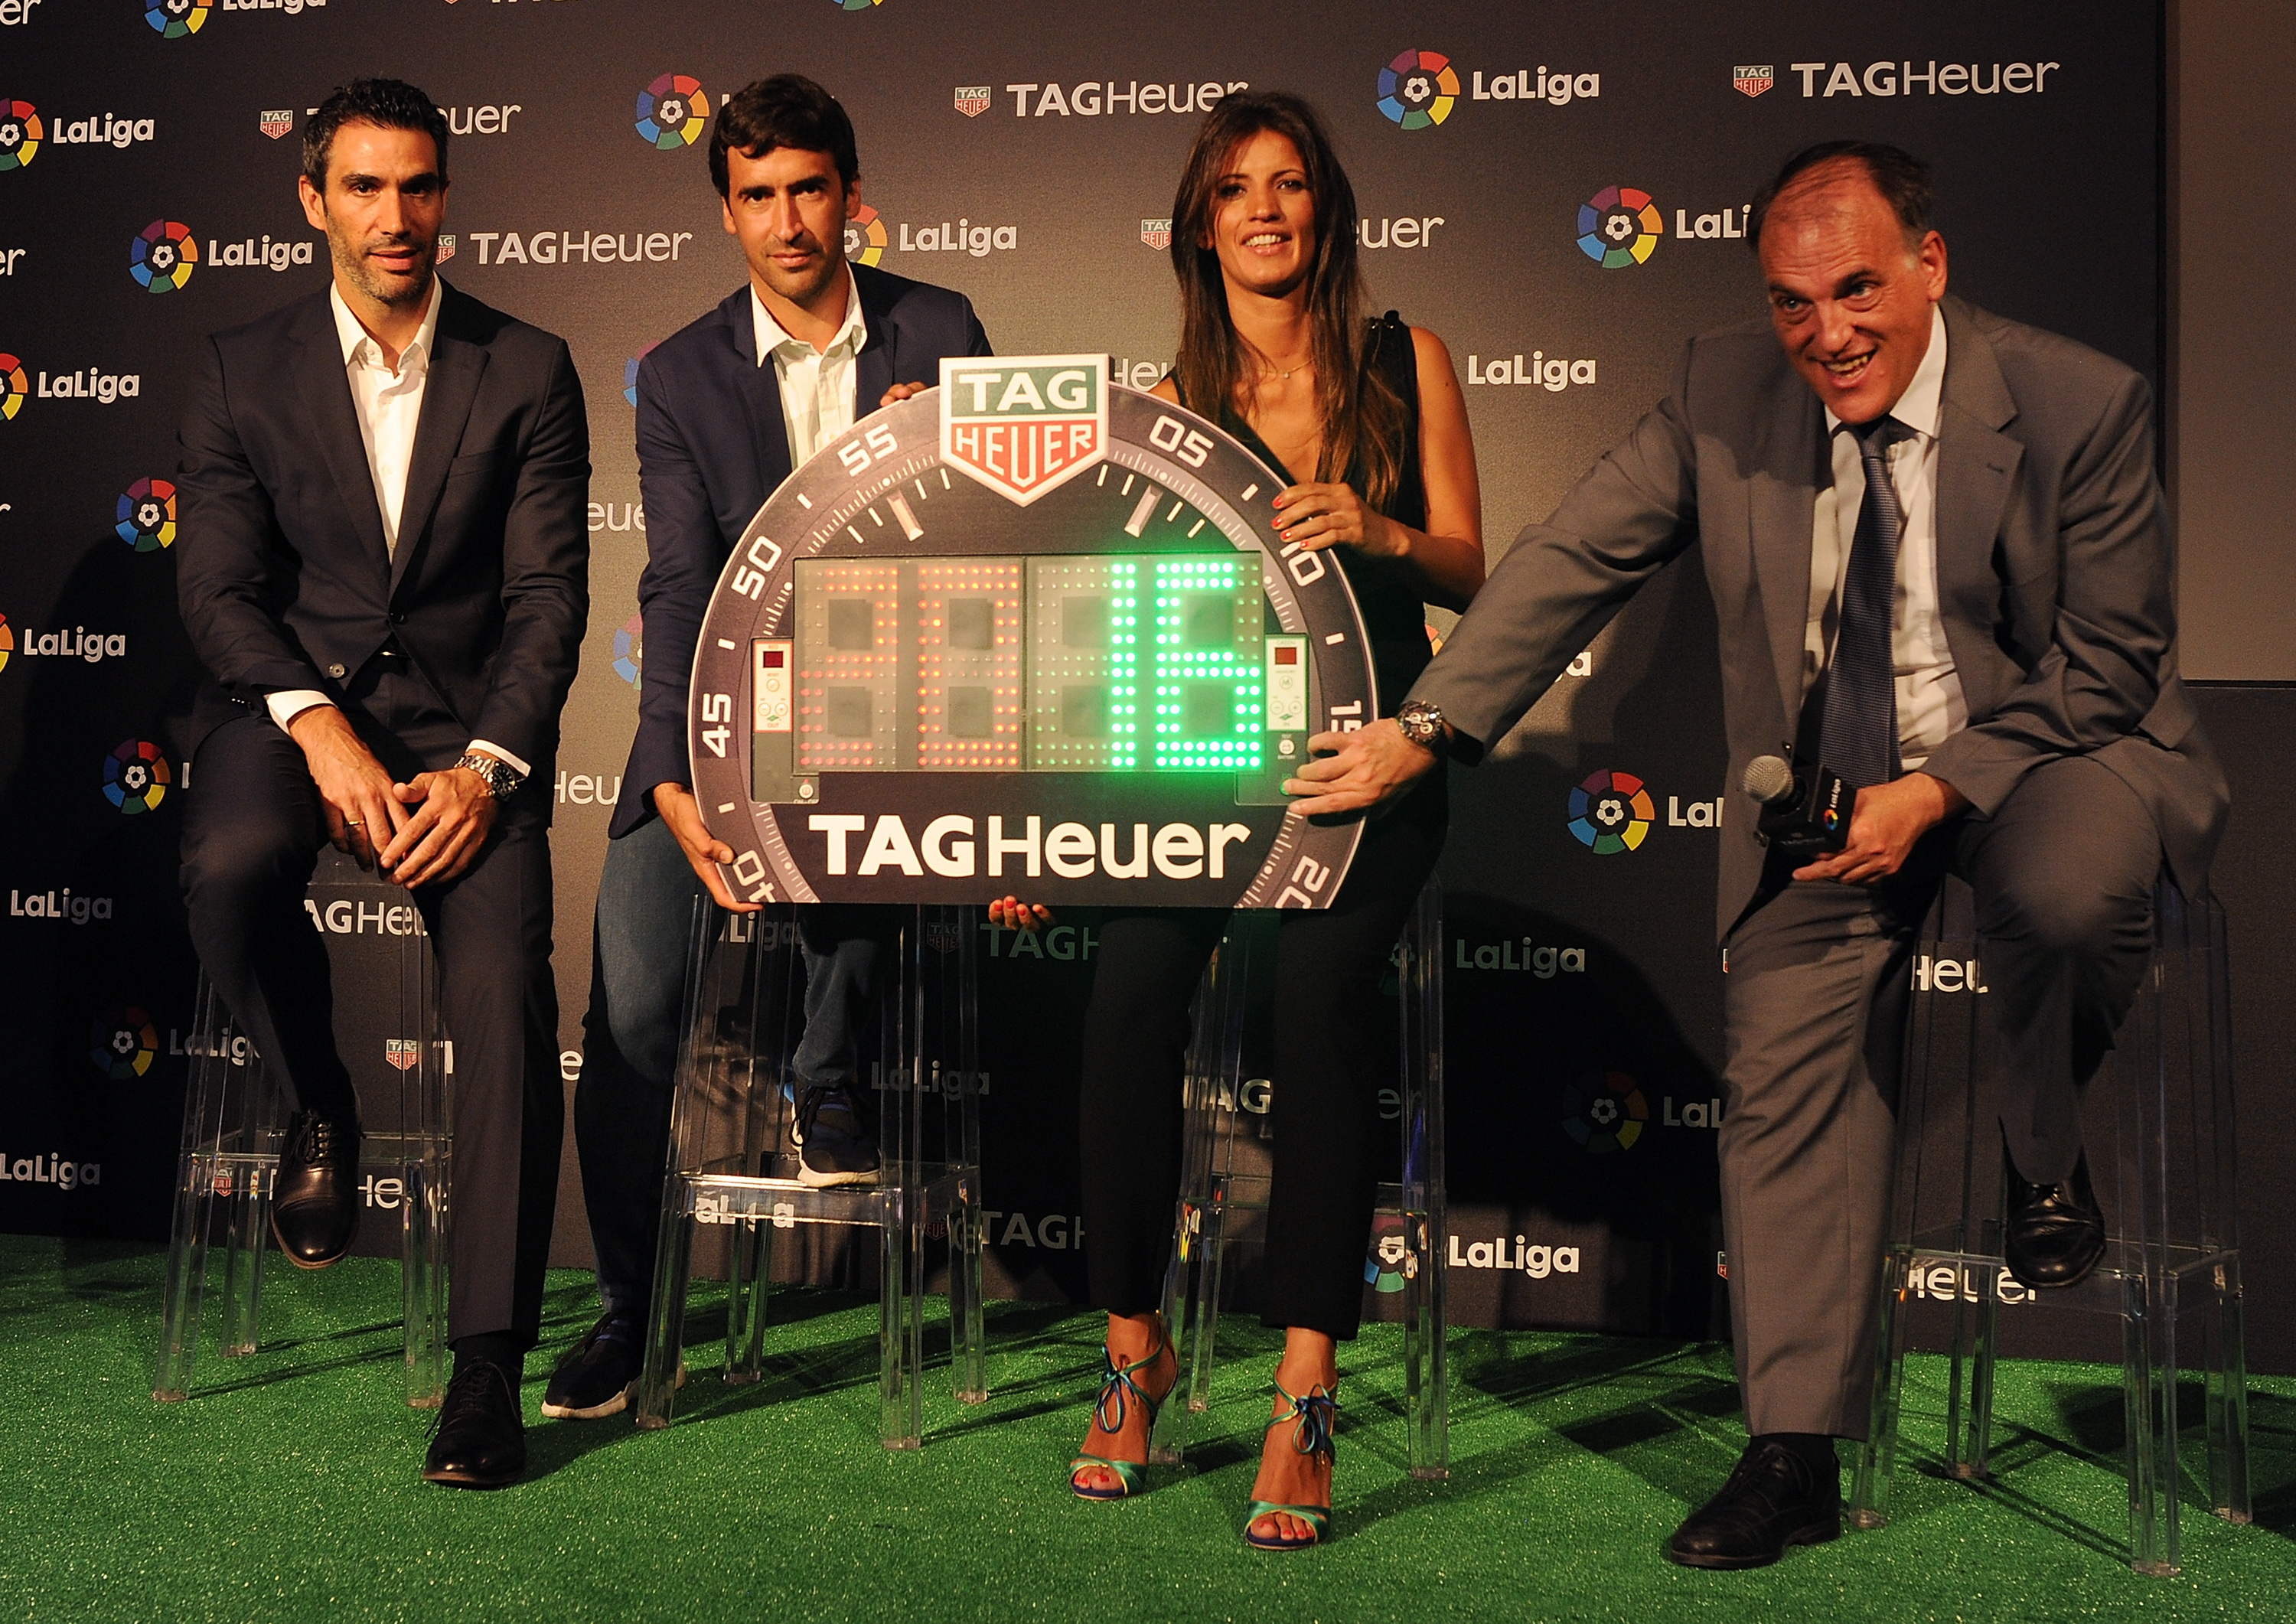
[(384, 569), (726, 407)]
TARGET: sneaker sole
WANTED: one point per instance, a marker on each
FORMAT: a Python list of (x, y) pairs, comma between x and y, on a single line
[(614, 1406), (1815, 1533), (813, 1179)]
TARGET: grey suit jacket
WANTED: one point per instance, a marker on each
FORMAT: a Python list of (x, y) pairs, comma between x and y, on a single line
[(2054, 567)]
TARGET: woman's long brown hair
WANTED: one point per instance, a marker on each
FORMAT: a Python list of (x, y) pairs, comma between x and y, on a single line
[(1360, 414)]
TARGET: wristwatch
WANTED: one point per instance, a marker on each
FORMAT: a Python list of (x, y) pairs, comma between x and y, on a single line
[(1422, 724), (501, 781)]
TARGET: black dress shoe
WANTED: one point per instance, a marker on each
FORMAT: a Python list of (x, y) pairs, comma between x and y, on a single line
[(481, 1442), (1773, 1500), (2055, 1232), (314, 1203)]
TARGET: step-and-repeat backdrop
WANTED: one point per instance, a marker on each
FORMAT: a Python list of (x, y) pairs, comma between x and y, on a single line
[(1026, 154)]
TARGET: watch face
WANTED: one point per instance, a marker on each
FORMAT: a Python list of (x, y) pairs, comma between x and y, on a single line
[(1030, 633)]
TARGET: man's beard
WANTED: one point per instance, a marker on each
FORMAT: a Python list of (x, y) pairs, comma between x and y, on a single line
[(352, 260)]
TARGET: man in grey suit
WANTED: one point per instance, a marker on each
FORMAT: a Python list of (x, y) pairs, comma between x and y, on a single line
[(1940, 566)]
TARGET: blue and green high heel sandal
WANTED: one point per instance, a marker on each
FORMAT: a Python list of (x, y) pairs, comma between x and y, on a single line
[(1118, 1392), (1312, 1420)]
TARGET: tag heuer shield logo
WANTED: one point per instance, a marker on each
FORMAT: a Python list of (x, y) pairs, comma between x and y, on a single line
[(402, 1052), (1156, 234), (972, 99), (1023, 426), (445, 247), (276, 124), (1753, 81)]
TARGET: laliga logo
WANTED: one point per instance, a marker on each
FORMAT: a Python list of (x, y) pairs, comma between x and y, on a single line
[(14, 386), (163, 255), (174, 19), (1390, 1260), (1619, 226), (629, 650), (630, 373), (20, 133), (671, 113), (865, 237), (1418, 89), (7, 642), (1611, 812), (1607, 1112), (135, 777), (123, 1043)]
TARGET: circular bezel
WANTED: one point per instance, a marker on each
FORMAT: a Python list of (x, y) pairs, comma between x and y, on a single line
[(837, 506)]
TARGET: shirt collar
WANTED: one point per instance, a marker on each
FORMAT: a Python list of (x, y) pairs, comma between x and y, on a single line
[(352, 336), (772, 336), (1917, 408)]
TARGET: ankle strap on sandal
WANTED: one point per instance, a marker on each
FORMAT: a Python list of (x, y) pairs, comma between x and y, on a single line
[(1115, 1381), (1313, 1418)]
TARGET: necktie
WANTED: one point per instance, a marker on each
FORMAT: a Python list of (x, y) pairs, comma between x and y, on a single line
[(1859, 739)]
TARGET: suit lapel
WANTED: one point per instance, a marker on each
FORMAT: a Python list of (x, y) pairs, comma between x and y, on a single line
[(873, 371), (759, 388), (1782, 507), (327, 391), (1977, 466), (456, 364)]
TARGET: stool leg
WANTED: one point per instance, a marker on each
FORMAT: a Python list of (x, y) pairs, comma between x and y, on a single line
[(187, 1271), (1205, 1317), (749, 1262), (424, 1272), (1169, 1440), (900, 1354), (1877, 1456), (247, 1228), (967, 1336), (1969, 1402), (1426, 1363), (666, 1320), (2227, 1398), (2148, 1412)]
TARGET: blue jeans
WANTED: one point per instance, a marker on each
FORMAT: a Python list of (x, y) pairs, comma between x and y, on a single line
[(639, 941)]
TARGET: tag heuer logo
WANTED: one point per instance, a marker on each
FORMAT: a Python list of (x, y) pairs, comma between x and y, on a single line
[(972, 99), (1023, 426), (944, 937), (278, 123), (1156, 234), (445, 246), (402, 1052), (1753, 81)]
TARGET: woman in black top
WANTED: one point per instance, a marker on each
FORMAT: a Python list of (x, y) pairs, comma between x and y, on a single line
[(1366, 421)]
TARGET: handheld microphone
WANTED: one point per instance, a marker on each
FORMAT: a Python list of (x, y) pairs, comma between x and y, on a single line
[(1804, 813)]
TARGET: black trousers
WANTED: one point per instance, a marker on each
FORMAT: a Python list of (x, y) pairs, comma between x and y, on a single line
[(252, 838), (1331, 1060)]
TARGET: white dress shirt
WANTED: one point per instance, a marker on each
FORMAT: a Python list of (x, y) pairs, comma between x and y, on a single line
[(818, 387), (1930, 706), (388, 402)]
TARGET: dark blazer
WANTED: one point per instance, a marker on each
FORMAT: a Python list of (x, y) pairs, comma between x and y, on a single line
[(712, 446), (2054, 567), (282, 576)]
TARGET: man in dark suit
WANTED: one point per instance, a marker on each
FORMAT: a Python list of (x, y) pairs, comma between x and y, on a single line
[(1940, 566), (383, 567), (728, 406)]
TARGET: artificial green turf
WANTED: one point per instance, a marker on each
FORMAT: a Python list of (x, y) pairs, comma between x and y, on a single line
[(287, 1488)]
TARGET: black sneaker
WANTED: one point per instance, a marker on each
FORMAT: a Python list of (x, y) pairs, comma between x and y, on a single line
[(834, 1147), (595, 1378)]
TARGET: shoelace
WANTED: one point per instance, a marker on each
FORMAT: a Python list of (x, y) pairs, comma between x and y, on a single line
[(1115, 1383), (316, 1139), (1313, 1418), (466, 1392)]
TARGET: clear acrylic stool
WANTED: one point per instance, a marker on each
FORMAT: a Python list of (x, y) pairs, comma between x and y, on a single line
[(235, 1121), (2157, 1122), (732, 1161), (1225, 1178)]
